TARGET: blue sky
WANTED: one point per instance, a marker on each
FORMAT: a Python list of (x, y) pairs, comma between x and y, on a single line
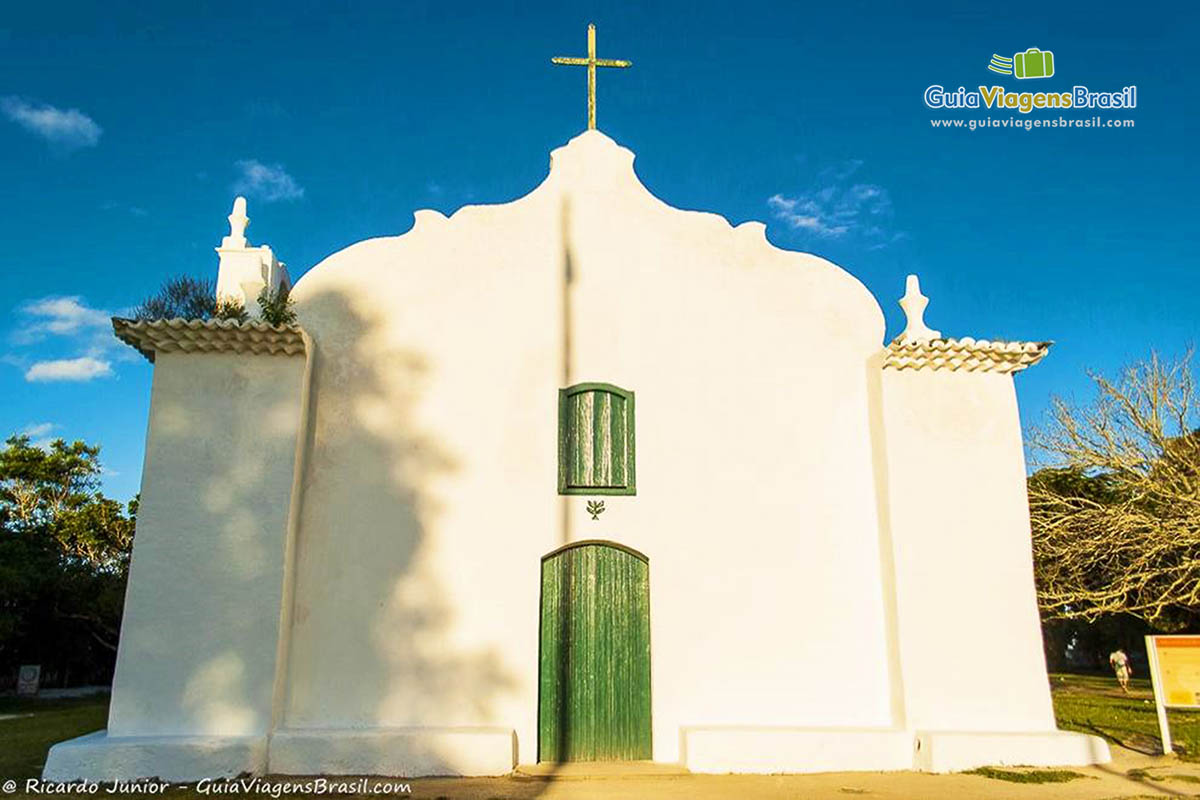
[(126, 129)]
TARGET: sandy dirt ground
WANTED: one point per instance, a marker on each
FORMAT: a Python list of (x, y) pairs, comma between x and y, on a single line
[(1152, 776)]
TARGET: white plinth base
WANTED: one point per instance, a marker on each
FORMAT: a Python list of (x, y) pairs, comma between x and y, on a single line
[(402, 752), (99, 757), (950, 751), (783, 750)]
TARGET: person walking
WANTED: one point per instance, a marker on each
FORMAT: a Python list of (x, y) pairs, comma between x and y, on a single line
[(1121, 666)]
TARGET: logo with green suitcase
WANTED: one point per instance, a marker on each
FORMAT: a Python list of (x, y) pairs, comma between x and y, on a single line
[(1033, 63)]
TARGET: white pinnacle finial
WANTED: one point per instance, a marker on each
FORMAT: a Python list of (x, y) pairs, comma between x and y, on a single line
[(237, 224), (914, 304)]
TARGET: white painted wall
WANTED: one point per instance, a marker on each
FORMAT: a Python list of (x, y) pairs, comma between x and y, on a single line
[(431, 494), (970, 638), (198, 640)]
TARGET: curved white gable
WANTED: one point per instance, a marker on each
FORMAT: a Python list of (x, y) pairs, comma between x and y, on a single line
[(595, 172)]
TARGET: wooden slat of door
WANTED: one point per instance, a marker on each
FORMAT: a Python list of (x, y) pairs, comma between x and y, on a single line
[(582, 716), (641, 734), (553, 665)]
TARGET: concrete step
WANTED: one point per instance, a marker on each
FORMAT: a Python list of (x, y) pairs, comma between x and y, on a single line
[(547, 770)]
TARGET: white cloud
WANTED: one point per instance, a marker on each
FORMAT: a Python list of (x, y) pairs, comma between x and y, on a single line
[(835, 207), (806, 213), (67, 130), (266, 182), (66, 314), (38, 430), (39, 434), (62, 316), (85, 332), (84, 368)]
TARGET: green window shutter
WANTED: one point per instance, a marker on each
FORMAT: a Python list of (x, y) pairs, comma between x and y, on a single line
[(595, 440)]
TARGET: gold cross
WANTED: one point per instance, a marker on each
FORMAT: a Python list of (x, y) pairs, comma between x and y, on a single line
[(591, 62)]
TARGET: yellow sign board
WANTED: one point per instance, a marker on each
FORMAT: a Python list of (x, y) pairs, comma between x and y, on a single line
[(1178, 661), (1175, 674)]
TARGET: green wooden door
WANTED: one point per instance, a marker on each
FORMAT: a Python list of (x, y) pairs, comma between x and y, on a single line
[(594, 688)]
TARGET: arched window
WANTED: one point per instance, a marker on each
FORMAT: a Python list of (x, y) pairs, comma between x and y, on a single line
[(595, 440)]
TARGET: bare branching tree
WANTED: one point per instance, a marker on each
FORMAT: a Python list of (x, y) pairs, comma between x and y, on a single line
[(1116, 508)]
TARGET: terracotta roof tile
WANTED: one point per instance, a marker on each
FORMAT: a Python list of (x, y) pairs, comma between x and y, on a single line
[(966, 354), (208, 336)]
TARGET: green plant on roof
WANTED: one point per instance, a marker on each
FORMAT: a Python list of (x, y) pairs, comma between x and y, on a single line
[(276, 306)]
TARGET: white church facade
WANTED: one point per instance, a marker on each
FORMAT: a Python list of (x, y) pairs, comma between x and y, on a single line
[(576, 477)]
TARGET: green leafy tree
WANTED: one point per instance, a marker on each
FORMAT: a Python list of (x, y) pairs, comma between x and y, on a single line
[(64, 560)]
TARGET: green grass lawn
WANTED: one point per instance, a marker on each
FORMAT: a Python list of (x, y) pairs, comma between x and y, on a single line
[(25, 740), (1095, 704)]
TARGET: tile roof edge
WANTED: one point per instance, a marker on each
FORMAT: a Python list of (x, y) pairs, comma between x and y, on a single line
[(253, 337), (965, 354)]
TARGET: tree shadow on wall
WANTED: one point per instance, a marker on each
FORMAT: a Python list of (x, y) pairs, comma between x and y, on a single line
[(374, 629)]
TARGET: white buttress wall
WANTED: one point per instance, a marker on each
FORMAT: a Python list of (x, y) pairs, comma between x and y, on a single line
[(199, 636), (970, 638)]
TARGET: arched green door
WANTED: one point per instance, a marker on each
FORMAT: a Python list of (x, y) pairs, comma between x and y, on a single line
[(594, 687)]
